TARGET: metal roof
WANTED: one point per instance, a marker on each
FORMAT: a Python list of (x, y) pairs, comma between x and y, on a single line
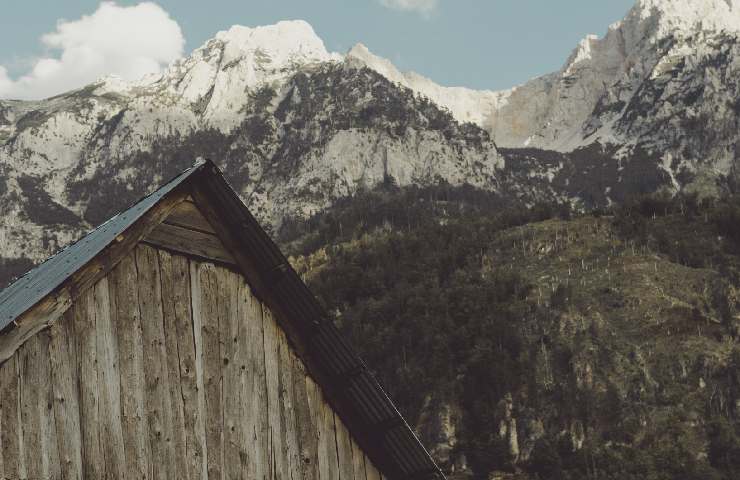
[(360, 400), (42, 280)]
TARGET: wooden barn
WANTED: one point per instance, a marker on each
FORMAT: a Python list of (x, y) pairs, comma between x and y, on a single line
[(176, 342)]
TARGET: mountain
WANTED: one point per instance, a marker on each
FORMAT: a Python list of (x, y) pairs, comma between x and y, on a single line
[(538, 343), (651, 105), (659, 55), (465, 104), (484, 247), (660, 87), (294, 127)]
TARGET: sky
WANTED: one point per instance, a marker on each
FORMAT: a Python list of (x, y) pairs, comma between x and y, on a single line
[(50, 46)]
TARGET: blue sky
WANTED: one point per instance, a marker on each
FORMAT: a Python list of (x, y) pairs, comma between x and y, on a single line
[(491, 44)]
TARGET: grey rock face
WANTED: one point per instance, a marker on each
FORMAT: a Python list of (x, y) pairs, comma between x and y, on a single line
[(652, 105)]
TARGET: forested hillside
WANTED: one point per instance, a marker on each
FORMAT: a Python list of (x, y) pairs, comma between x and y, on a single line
[(538, 343)]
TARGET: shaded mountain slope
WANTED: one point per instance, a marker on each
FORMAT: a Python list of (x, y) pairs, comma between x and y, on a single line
[(593, 346)]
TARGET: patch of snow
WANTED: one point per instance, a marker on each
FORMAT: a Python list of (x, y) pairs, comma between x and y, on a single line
[(465, 104), (672, 16)]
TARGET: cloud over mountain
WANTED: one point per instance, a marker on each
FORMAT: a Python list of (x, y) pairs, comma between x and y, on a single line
[(128, 42), (425, 7)]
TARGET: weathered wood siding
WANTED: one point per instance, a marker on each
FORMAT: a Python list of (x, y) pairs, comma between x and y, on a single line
[(168, 368)]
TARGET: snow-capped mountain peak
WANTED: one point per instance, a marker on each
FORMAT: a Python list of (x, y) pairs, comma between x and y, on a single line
[(676, 16), (295, 127), (256, 54), (299, 126), (216, 76), (281, 44), (361, 56), (465, 104)]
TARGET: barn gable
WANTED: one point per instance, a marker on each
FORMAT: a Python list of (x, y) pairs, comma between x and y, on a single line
[(196, 256)]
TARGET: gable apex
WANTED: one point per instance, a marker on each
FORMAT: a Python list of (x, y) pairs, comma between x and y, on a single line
[(45, 278), (200, 201)]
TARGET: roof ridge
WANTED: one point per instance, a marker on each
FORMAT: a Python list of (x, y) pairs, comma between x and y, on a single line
[(72, 257), (353, 391)]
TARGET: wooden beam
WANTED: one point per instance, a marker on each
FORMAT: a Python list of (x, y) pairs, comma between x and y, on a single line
[(43, 315), (187, 215), (190, 242)]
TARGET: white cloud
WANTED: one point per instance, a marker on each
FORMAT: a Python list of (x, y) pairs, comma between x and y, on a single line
[(5, 82), (425, 7), (129, 42)]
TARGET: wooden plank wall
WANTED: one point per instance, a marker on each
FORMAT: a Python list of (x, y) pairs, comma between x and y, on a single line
[(168, 368)]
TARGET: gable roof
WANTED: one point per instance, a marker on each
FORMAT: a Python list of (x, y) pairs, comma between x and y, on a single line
[(351, 388), (39, 282)]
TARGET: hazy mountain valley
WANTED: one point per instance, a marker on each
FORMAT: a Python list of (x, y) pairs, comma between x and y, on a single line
[(545, 278)]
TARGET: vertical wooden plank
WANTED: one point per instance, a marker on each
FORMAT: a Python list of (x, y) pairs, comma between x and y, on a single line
[(197, 327), (327, 444), (330, 437), (344, 449), (238, 453), (63, 356), (249, 345), (371, 473), (109, 383), (289, 430), (29, 396), (49, 442), (156, 374), (87, 358), (30, 427), (358, 461), (212, 364), (12, 431), (276, 444), (258, 392), (230, 378), (313, 395), (178, 330), (307, 428), (124, 279)]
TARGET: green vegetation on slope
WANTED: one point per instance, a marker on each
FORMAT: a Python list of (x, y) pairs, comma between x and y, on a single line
[(540, 345)]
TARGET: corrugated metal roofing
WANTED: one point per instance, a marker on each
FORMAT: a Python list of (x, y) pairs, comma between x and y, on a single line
[(39, 282), (371, 412)]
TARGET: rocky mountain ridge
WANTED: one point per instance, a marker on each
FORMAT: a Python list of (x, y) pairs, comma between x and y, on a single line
[(651, 105), (594, 306), (293, 126), (659, 86), (561, 110)]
